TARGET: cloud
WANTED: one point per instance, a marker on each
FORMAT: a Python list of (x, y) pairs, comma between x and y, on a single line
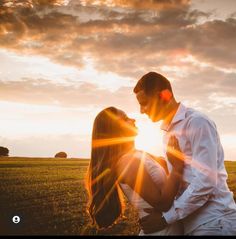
[(105, 33), (136, 4), (209, 90), (44, 92), (212, 43), (202, 86), (129, 38)]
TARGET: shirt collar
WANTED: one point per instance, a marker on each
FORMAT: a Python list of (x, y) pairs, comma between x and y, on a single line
[(179, 115)]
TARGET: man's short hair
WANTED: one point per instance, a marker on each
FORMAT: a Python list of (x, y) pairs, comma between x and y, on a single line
[(152, 82)]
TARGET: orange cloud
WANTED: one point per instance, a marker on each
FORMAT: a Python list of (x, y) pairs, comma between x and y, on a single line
[(127, 40), (137, 4), (43, 92)]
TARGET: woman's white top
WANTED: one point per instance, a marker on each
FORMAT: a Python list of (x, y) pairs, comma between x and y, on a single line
[(159, 176)]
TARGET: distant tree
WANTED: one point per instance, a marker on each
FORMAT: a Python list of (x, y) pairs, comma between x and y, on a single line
[(4, 151), (60, 155)]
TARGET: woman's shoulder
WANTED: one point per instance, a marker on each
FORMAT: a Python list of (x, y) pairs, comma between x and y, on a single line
[(137, 157), (127, 166), (130, 164), (129, 161), (128, 158), (138, 154)]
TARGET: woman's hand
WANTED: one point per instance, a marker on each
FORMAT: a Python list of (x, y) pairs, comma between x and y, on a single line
[(174, 154)]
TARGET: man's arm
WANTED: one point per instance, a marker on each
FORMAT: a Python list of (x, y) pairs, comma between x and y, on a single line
[(203, 139)]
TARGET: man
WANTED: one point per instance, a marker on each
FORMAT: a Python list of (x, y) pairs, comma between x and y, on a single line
[(204, 202)]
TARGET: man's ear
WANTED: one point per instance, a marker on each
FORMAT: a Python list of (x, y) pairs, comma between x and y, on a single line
[(166, 95)]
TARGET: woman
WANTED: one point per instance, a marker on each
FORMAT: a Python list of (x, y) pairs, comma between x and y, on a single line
[(116, 167)]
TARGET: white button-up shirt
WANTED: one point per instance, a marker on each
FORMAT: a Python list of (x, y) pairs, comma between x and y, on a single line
[(204, 194)]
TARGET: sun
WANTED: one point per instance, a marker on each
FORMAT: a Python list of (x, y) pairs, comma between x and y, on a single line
[(149, 137)]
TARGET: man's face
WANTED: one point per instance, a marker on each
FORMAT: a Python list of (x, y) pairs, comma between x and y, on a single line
[(152, 106)]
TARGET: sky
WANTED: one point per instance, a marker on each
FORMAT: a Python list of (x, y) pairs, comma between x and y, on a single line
[(62, 62)]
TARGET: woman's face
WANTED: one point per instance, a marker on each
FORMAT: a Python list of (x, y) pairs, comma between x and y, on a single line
[(127, 123)]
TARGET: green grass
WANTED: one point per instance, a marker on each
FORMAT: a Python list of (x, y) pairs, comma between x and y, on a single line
[(231, 169), (50, 197)]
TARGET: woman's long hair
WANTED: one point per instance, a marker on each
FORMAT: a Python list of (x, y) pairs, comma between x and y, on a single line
[(105, 200)]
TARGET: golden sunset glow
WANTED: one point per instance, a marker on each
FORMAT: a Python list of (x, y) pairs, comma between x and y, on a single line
[(63, 61), (111, 141), (139, 178), (149, 137)]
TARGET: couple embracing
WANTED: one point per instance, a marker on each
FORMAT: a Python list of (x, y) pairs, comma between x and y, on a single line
[(185, 193)]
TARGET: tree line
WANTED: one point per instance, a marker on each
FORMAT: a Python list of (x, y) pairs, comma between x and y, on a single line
[(4, 151)]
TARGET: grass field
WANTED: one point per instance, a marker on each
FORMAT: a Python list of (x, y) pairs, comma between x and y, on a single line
[(49, 196)]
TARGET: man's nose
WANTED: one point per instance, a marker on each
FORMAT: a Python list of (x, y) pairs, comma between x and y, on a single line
[(142, 110), (133, 120)]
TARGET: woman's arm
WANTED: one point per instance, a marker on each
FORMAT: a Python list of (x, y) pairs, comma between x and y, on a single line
[(132, 172), (161, 161)]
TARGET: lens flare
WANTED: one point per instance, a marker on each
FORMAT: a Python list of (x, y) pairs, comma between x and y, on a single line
[(111, 141)]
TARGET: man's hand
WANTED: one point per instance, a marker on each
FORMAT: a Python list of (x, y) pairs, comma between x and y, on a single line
[(162, 162), (152, 222), (174, 154)]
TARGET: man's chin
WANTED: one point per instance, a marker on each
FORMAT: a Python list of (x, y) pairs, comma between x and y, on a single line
[(154, 119)]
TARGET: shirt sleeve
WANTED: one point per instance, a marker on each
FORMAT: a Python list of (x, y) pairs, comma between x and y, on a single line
[(202, 136)]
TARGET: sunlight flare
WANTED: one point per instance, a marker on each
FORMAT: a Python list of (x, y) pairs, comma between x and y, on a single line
[(139, 177), (111, 141)]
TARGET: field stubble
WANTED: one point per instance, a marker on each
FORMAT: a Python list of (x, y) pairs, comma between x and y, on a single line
[(49, 196)]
